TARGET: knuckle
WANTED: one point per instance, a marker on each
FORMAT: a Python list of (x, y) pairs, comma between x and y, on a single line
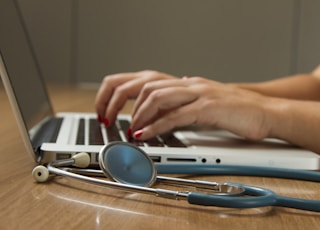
[(107, 80), (149, 72), (197, 79), (147, 88), (153, 75), (156, 96), (120, 90)]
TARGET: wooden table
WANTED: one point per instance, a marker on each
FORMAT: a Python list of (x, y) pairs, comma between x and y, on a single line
[(68, 204)]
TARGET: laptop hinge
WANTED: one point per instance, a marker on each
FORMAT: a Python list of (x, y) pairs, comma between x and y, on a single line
[(47, 133)]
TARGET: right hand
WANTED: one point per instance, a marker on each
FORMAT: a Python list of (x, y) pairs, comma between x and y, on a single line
[(116, 89)]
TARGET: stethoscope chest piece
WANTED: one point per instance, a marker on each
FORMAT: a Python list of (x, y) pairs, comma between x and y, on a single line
[(127, 164)]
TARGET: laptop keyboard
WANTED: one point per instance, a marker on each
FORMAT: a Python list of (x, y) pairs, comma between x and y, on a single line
[(113, 134)]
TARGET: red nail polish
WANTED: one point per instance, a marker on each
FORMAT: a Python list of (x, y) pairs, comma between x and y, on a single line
[(129, 132), (138, 133), (106, 122)]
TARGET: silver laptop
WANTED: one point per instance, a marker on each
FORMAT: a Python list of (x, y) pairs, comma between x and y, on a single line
[(50, 136)]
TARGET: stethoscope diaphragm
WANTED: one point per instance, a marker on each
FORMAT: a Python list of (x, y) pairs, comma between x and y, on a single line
[(127, 164)]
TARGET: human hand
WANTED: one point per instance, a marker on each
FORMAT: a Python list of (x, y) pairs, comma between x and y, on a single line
[(166, 104), (116, 89)]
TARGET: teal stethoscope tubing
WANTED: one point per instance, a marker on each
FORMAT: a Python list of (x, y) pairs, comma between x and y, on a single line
[(239, 171), (258, 197)]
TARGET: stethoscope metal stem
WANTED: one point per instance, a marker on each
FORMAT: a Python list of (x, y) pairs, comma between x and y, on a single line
[(176, 195), (216, 188), (210, 187), (254, 196), (64, 162)]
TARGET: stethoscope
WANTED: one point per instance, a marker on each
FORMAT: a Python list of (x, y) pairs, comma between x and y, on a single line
[(132, 170)]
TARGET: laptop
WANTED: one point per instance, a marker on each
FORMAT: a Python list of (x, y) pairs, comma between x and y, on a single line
[(49, 136)]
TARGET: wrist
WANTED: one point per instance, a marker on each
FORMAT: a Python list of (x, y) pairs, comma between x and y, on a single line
[(290, 120)]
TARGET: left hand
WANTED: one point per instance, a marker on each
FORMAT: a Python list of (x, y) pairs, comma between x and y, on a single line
[(167, 104)]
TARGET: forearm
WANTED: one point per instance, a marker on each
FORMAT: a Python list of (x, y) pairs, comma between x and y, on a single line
[(302, 87), (297, 122)]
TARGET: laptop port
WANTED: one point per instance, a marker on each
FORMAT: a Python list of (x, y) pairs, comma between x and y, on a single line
[(156, 159), (182, 159), (62, 156)]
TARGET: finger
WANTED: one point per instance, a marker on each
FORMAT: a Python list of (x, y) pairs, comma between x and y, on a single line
[(160, 100), (106, 89), (116, 89), (180, 117), (149, 87), (120, 95)]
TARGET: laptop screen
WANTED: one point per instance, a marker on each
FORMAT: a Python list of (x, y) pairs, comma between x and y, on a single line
[(21, 65)]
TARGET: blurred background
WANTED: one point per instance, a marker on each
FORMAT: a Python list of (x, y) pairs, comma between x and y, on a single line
[(81, 41)]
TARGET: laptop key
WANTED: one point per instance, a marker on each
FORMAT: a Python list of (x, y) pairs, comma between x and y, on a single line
[(95, 134), (80, 135), (113, 134), (135, 142), (171, 141), (154, 142), (125, 125)]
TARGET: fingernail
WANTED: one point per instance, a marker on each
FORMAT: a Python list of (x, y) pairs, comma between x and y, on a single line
[(129, 132), (99, 119), (138, 133), (105, 121)]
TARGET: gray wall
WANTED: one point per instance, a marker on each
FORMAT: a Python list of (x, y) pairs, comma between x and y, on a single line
[(49, 25), (308, 50), (247, 40)]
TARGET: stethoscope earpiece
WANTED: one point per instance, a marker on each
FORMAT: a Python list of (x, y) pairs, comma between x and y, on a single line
[(40, 173), (81, 160)]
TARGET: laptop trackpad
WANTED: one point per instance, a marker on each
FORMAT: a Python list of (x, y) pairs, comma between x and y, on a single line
[(220, 138)]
